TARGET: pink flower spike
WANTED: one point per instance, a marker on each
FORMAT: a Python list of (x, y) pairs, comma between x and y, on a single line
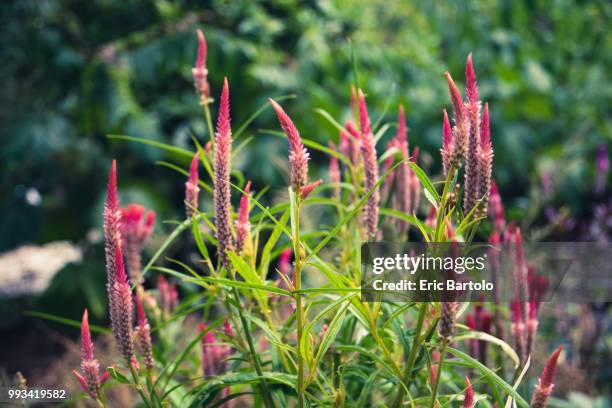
[(228, 330), (200, 72), (468, 397), (550, 369), (471, 87), (192, 188), (545, 384), (222, 168), (104, 378), (298, 155), (485, 131), (201, 58), (82, 381), (364, 118), (447, 133), (309, 188), (86, 343), (243, 227), (456, 98), (401, 126)]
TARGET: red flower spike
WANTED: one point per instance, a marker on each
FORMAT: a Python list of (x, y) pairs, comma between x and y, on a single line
[(544, 387), (485, 130), (456, 98), (90, 380), (192, 187), (468, 397), (135, 232)]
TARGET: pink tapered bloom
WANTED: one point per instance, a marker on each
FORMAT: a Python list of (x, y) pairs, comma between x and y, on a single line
[(468, 397), (118, 288), (334, 171), (370, 163), (496, 209), (136, 229), (243, 227), (485, 165), (192, 187), (461, 129), (168, 296), (143, 333), (309, 188), (298, 155), (112, 231), (200, 72), (222, 194), (472, 185), (544, 387), (121, 316), (90, 380), (404, 181), (355, 143), (228, 330), (446, 149), (214, 354)]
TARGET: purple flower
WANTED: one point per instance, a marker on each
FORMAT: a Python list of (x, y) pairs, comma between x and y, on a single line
[(472, 192)]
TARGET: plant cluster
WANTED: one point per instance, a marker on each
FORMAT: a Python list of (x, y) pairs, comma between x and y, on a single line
[(266, 337)]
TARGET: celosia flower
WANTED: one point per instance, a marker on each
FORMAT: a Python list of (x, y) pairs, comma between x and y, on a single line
[(468, 397), (392, 144), (447, 144), (370, 163), (496, 209), (112, 231), (461, 129), (431, 219), (472, 192), (334, 171), (309, 188), (545, 385), (485, 166), (192, 188), (136, 229), (355, 143), (222, 197), (143, 333), (228, 330), (404, 183), (214, 354), (118, 288), (243, 227), (518, 329), (121, 316), (90, 381), (168, 295), (448, 303), (200, 72), (298, 156)]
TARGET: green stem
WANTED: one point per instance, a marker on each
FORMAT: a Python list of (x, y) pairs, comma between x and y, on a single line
[(435, 389), (138, 386), (265, 393), (413, 354), (299, 307)]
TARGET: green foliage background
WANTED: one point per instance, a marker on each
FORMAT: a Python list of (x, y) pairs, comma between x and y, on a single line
[(75, 71)]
